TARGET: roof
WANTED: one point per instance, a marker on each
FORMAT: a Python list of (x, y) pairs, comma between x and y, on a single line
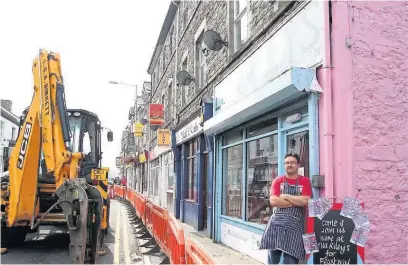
[(168, 22), (10, 116)]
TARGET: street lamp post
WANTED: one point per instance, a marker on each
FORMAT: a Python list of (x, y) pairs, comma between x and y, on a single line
[(135, 109)]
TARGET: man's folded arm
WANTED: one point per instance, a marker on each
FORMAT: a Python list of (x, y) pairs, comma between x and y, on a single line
[(280, 202)]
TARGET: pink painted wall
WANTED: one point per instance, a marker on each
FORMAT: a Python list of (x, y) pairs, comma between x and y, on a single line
[(370, 120)]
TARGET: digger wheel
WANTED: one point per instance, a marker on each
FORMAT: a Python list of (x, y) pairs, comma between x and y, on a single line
[(13, 236)]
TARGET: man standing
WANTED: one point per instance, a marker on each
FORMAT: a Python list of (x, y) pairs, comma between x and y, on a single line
[(289, 196)]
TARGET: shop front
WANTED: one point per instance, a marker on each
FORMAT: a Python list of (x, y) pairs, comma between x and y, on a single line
[(141, 172), (263, 110), (161, 176), (192, 165)]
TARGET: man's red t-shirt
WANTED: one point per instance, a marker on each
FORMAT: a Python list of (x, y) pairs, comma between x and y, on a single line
[(305, 187)]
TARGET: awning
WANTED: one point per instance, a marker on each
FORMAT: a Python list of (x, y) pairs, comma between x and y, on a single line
[(291, 84)]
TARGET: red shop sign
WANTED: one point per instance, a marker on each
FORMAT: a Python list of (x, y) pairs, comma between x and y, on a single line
[(156, 111)]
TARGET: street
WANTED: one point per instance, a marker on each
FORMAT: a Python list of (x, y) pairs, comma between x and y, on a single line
[(49, 245)]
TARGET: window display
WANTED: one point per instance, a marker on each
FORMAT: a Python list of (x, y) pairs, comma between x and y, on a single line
[(232, 181), (262, 169)]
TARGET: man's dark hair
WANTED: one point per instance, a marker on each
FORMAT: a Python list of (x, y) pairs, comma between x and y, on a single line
[(293, 155)]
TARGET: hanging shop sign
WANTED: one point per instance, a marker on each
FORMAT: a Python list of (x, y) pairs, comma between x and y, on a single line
[(163, 137), (142, 157), (156, 114), (138, 129), (190, 130)]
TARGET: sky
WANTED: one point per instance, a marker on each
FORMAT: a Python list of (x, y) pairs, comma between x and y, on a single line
[(98, 41)]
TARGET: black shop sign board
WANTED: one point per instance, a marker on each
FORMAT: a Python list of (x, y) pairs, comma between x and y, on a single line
[(333, 235)]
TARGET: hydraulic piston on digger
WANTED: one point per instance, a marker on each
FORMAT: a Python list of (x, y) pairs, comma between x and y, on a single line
[(46, 129)]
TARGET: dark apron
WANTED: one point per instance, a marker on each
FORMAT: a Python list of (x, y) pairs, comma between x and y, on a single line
[(286, 226)]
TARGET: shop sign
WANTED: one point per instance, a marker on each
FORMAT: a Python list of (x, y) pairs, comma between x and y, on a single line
[(189, 131), (142, 157), (163, 137), (156, 114), (138, 129), (242, 240)]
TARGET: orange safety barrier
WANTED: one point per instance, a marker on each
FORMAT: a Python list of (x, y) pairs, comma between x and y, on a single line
[(120, 191), (175, 241), (195, 254), (166, 230), (156, 223)]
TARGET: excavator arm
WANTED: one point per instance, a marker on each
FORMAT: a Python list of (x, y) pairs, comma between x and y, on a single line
[(46, 128)]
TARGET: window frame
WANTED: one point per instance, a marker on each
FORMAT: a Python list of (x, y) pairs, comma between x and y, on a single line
[(191, 163), (282, 130), (184, 88), (234, 18), (200, 62)]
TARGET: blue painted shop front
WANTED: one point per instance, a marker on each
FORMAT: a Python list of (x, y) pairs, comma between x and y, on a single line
[(194, 173), (251, 138)]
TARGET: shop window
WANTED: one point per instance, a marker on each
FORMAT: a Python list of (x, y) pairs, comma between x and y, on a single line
[(299, 143), (262, 169), (154, 177), (192, 169), (232, 181), (144, 178), (262, 128), (232, 137), (170, 172)]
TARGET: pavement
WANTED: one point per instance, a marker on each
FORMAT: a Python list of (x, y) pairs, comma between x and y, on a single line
[(49, 245), (221, 253)]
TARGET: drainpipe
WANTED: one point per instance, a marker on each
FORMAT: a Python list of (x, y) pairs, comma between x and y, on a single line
[(327, 113)]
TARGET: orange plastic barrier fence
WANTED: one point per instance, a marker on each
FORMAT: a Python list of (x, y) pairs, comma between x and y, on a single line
[(195, 254), (175, 241), (156, 223), (120, 191), (166, 230)]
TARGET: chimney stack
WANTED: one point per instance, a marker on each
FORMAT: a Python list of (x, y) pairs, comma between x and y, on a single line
[(7, 104)]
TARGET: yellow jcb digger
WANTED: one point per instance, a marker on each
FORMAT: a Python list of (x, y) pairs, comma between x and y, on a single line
[(55, 173)]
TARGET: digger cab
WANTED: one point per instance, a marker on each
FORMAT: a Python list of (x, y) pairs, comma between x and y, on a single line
[(86, 137), (86, 134)]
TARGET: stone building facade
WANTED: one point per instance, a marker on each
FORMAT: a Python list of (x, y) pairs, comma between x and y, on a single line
[(277, 86)]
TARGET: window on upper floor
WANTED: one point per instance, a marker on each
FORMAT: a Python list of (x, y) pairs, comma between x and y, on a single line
[(1, 130), (184, 88), (201, 65), (164, 60), (169, 109), (239, 24), (153, 78), (13, 134), (170, 50), (185, 15), (159, 70)]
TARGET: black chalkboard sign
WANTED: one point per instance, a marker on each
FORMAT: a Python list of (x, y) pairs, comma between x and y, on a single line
[(333, 235)]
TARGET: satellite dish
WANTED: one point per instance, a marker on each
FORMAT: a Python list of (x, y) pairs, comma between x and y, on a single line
[(184, 78), (213, 40)]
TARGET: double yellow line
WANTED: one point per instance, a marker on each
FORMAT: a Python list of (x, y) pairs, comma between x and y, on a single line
[(121, 223)]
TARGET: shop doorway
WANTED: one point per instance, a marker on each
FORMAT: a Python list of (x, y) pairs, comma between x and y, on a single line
[(205, 197), (298, 142)]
